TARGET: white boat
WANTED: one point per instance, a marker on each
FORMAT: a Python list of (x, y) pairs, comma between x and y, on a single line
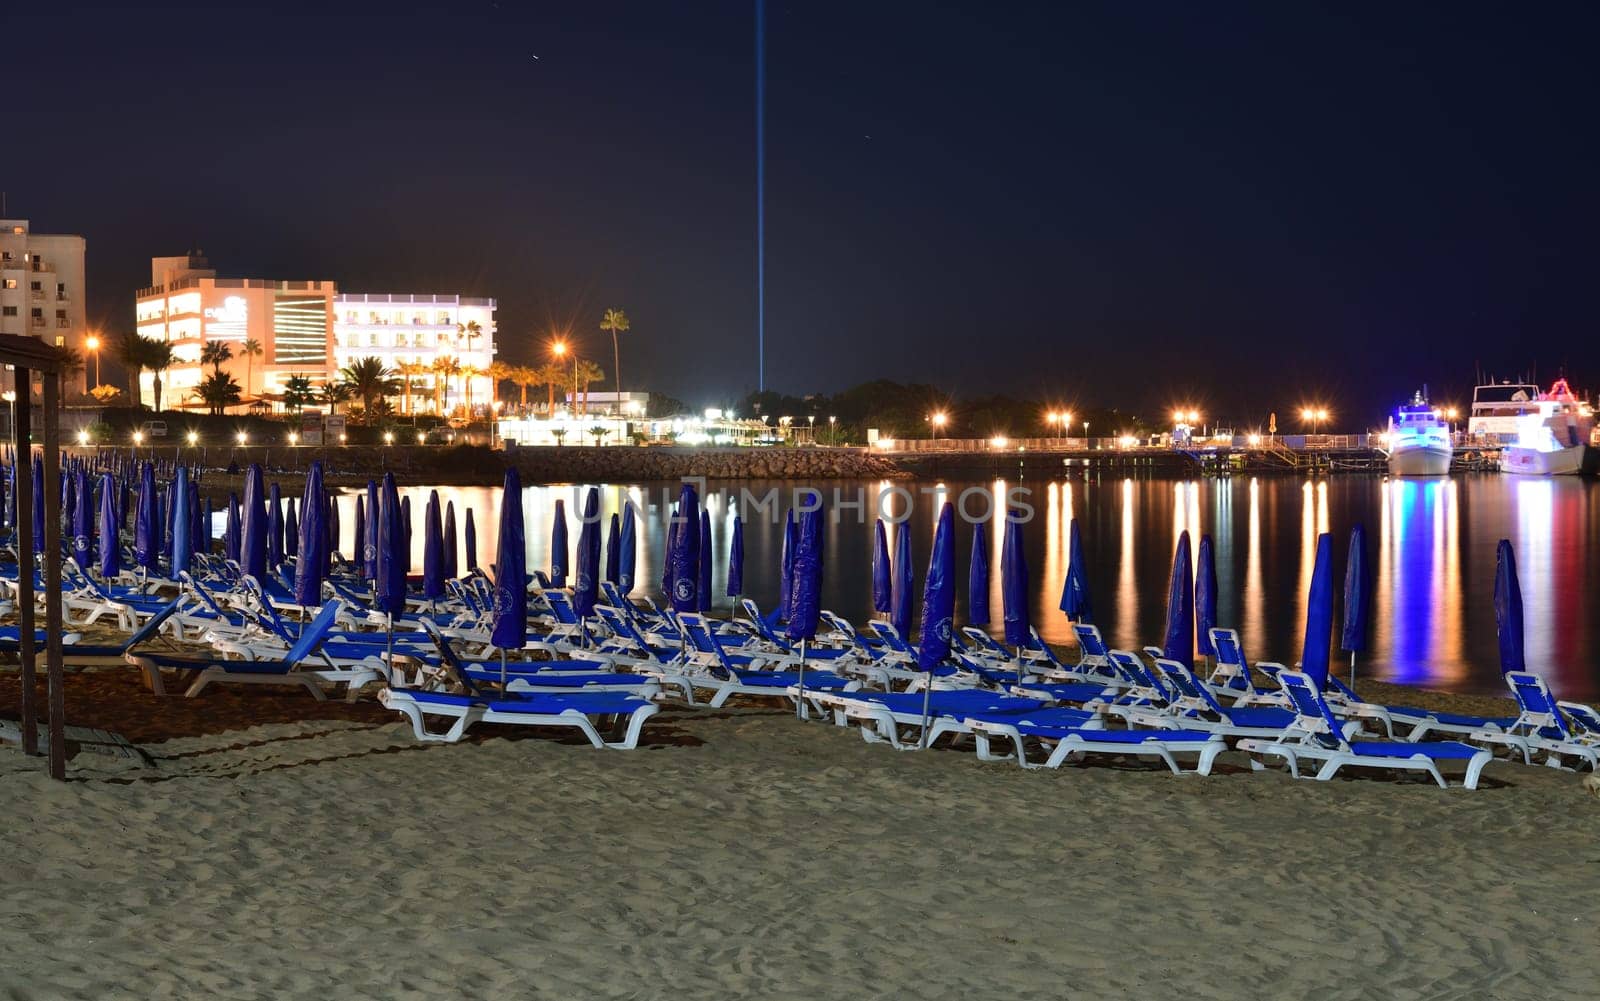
[(1552, 437), (1496, 408), (1418, 440)]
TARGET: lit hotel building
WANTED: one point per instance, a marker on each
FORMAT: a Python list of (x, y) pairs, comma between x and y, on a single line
[(309, 328), (41, 285)]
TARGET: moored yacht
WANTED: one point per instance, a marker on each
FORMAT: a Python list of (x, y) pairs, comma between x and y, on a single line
[(1419, 440), (1552, 437)]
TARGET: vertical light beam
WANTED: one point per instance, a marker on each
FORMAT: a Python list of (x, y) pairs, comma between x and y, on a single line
[(761, 195)]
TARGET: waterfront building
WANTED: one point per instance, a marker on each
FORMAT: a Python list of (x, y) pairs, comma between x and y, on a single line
[(41, 285), (277, 330), (442, 344)]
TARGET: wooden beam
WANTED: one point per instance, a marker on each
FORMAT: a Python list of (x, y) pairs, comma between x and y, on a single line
[(23, 449), (52, 575)]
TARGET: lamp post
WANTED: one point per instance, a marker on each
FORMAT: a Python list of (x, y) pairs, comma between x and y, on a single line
[(93, 344), (833, 430), (561, 350), (936, 423), (1315, 415)]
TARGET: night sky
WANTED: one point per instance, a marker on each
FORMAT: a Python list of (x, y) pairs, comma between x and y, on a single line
[(1237, 205)]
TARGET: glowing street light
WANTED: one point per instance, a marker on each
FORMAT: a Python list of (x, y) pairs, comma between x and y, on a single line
[(138, 437), (83, 437), (93, 344), (833, 430), (1315, 416), (422, 437), (388, 437), (194, 437), (937, 422), (242, 437), (294, 439)]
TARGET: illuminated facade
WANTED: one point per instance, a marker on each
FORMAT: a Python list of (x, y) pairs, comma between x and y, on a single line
[(187, 305), (443, 344), (41, 286)]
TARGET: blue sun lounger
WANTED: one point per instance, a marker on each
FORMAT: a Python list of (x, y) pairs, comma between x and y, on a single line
[(575, 710), (1066, 740), (1316, 737), (1541, 728), (895, 718)]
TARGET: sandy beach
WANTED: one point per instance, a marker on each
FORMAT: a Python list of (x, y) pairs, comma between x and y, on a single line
[(742, 854)]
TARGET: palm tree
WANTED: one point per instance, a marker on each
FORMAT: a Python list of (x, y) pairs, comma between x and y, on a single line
[(251, 349), (469, 330), (500, 372), (297, 392), (218, 391), (585, 372), (598, 432), (560, 435), (616, 321), (333, 394), (468, 373), (552, 374), (71, 361), (158, 360), (371, 380), (444, 367), (134, 353), (215, 353), (408, 371)]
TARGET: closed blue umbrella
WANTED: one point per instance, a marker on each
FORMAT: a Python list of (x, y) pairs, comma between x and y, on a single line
[(1205, 597), (1319, 615), (1075, 589), (613, 549), (627, 549), (182, 535), (703, 577), (900, 604), (586, 583), (978, 577), (1353, 637), (1179, 642), (469, 541), (1014, 594), (110, 543), (511, 565), (275, 552), (791, 539), (805, 600), (432, 549), (291, 530), (253, 524), (199, 521), (1508, 609), (938, 605), (360, 524), (369, 554), (558, 546), (231, 537), (736, 561), (82, 518), (683, 552), (405, 533), (882, 578), (313, 536), (146, 542), (331, 531), (666, 553), (391, 577), (451, 564), (38, 504), (68, 496)]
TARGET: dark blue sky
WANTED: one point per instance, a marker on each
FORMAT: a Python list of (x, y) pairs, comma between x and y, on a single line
[(1241, 204)]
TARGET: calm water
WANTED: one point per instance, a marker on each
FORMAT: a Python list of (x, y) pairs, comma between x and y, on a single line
[(1431, 542)]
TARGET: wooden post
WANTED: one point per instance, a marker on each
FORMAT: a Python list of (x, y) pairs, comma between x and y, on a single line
[(52, 574), (23, 412)]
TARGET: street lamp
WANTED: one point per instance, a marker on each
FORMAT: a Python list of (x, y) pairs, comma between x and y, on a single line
[(138, 438), (83, 437), (93, 344), (388, 437), (1315, 415), (833, 430), (937, 422), (194, 438), (294, 439), (422, 437), (243, 437)]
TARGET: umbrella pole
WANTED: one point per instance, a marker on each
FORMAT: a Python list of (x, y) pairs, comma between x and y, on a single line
[(389, 650), (502, 671), (800, 703), (927, 696), (1352, 670)]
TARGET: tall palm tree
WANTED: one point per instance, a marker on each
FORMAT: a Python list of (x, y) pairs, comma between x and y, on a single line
[(500, 372), (467, 374), (297, 392), (585, 372), (408, 372), (134, 353), (554, 374), (158, 360), (71, 361), (334, 393), (468, 331), (371, 380), (616, 321), (524, 376), (251, 349), (444, 368)]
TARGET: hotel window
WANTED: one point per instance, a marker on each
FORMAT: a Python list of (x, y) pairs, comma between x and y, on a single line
[(444, 316), (61, 342), (11, 283), (8, 311), (34, 287), (61, 290), (61, 318)]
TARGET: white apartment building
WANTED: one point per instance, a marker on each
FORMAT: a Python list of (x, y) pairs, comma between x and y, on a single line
[(41, 286), (443, 344)]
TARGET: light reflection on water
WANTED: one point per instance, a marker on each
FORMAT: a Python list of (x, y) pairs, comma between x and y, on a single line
[(1431, 544)]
